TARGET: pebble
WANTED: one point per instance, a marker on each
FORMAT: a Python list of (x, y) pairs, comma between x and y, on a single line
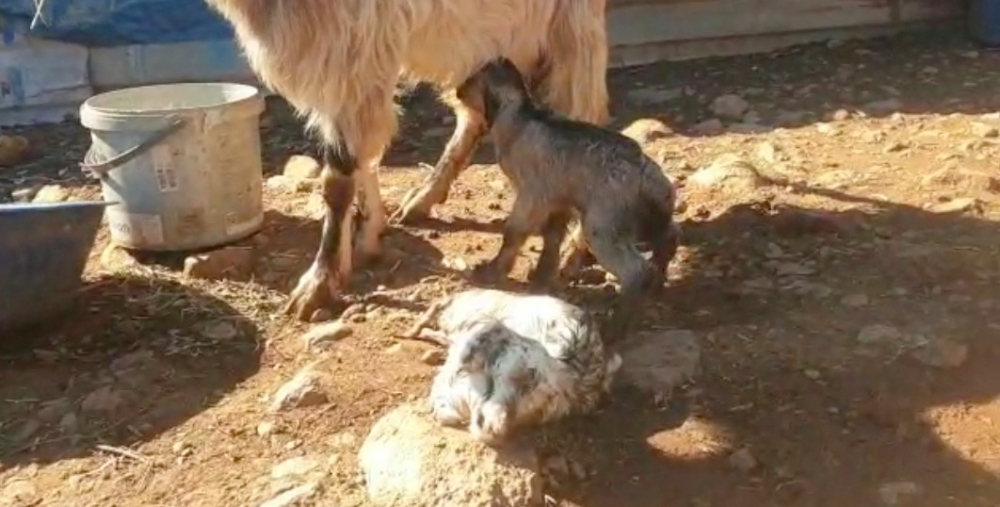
[(647, 130), (323, 334), (51, 193), (728, 172), (958, 205), (305, 389), (54, 410), (219, 330), (13, 150), (234, 263), (302, 167), (742, 460), (768, 151), (24, 194), (265, 428), (879, 333), (730, 106), (892, 493), (19, 492), (297, 466), (841, 115), (433, 357), (985, 130), (942, 353), (886, 106), (855, 300), (292, 496), (709, 127), (104, 399), (812, 374)]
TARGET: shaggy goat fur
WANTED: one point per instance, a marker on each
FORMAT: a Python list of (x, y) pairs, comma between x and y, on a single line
[(514, 360), (338, 63), (561, 168)]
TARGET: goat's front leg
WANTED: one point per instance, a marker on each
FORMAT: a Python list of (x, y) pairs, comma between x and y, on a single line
[(470, 127), (320, 286), (370, 200), (525, 218), (553, 235)]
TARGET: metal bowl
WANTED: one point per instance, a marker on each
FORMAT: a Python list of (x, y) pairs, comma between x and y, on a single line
[(43, 251)]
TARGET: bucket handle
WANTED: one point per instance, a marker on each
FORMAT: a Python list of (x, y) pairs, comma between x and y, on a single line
[(102, 168)]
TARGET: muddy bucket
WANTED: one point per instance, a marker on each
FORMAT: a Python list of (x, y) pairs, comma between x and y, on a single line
[(182, 160)]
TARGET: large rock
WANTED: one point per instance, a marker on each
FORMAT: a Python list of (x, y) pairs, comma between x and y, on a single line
[(411, 461), (728, 173), (660, 361)]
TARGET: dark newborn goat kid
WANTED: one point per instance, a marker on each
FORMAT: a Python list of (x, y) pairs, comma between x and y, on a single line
[(561, 168)]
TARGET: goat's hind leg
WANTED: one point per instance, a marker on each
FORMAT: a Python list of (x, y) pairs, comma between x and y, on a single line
[(470, 128), (618, 255)]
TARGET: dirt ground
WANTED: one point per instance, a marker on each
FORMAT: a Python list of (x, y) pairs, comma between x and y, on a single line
[(847, 309)]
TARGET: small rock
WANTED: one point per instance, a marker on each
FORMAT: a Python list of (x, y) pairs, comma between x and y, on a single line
[(13, 150), (234, 263), (653, 95), (959, 205), (710, 127), (292, 496), (659, 361), (219, 330), (879, 334), (104, 399), (892, 493), (297, 466), (873, 136), (812, 374), (855, 300), (790, 268), (27, 430), (886, 106), (116, 258), (729, 172), (19, 492), (343, 440), (265, 428), (24, 194), (985, 130), (68, 423), (432, 357), (768, 152), (51, 193), (302, 167), (752, 117), (841, 115), (742, 460), (647, 130), (730, 106), (54, 410), (895, 147), (323, 334), (942, 353), (790, 118), (304, 390), (826, 128)]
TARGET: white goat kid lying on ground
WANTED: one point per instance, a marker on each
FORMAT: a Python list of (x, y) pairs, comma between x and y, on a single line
[(514, 360)]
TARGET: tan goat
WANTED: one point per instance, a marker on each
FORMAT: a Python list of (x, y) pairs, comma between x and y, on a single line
[(338, 63)]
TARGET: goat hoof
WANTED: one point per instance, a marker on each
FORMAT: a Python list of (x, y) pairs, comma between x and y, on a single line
[(317, 288), (415, 207)]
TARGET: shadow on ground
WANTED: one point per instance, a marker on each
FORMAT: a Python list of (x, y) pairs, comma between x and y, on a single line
[(828, 419), (137, 357)]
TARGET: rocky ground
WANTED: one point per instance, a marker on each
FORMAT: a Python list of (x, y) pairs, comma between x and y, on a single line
[(836, 294)]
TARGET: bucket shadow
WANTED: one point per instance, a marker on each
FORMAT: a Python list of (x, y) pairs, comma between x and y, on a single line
[(136, 358)]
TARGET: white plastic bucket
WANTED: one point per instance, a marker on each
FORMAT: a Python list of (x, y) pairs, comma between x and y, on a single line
[(182, 160)]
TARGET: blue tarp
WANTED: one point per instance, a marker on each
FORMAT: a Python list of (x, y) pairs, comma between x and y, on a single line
[(120, 22)]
